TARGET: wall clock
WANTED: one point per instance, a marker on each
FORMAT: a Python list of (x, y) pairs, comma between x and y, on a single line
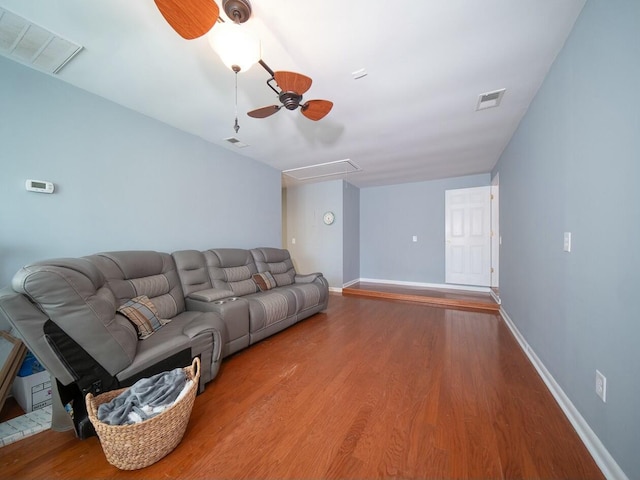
[(328, 218)]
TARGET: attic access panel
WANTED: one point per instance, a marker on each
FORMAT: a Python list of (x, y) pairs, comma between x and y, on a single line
[(339, 167)]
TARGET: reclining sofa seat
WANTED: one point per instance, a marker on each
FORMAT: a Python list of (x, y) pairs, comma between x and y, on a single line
[(67, 315), (214, 281), (311, 290), (220, 280), (154, 274), (66, 311)]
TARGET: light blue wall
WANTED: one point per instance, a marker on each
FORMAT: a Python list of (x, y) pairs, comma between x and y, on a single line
[(574, 165), (318, 247), (123, 180), (391, 215), (351, 251)]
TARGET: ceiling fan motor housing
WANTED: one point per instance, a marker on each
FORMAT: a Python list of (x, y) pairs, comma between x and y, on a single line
[(290, 100), (237, 10)]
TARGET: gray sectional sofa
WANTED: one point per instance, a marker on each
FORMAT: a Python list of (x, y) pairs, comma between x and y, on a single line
[(211, 304)]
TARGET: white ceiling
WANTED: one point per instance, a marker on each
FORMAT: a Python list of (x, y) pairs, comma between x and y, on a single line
[(412, 118)]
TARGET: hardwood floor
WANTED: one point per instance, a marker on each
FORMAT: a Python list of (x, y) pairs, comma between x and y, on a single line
[(10, 410), (368, 389), (458, 299)]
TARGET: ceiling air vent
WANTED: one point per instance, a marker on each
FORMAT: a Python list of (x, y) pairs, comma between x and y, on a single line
[(235, 142), (31, 45), (339, 167), (490, 99)]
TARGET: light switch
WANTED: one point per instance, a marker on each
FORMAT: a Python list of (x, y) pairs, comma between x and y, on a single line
[(567, 242), (415, 238), (293, 241)]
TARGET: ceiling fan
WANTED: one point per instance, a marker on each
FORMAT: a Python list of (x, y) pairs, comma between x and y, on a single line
[(190, 19), (292, 86), (193, 18)]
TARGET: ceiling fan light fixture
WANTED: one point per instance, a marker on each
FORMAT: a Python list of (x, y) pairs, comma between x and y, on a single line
[(235, 45)]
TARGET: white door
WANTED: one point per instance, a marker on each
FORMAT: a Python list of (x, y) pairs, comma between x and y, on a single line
[(468, 236)]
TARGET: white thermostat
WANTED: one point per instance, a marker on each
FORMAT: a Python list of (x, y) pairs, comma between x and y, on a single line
[(39, 186)]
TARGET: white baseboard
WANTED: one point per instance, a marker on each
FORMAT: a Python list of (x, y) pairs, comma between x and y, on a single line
[(445, 286), (495, 297), (352, 282), (600, 454), (335, 289)]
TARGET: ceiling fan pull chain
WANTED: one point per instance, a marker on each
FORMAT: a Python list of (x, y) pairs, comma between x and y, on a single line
[(236, 127)]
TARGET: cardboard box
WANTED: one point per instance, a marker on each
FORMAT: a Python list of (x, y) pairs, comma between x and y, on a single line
[(32, 392)]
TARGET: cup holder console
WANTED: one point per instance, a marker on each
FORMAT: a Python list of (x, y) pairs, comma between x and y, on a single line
[(230, 299)]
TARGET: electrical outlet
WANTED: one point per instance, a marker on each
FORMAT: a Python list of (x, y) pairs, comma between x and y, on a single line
[(601, 386)]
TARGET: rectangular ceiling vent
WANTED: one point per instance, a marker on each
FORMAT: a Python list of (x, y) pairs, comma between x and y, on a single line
[(490, 99), (339, 167), (235, 142), (31, 45)]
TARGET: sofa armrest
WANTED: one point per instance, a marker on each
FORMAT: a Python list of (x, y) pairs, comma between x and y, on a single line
[(210, 295), (309, 278)]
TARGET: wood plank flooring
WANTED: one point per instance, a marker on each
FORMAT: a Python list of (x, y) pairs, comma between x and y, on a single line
[(447, 298), (369, 389), (10, 410)]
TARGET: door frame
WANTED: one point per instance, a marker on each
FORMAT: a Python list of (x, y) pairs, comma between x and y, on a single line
[(496, 240)]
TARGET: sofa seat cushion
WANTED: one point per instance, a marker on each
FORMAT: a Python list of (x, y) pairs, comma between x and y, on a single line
[(307, 295), (172, 338), (267, 308), (167, 341)]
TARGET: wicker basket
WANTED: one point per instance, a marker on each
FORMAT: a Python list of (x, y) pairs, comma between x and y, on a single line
[(130, 447)]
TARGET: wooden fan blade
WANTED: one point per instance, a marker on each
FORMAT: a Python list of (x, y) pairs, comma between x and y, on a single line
[(190, 18), (264, 112), (316, 109), (292, 82)]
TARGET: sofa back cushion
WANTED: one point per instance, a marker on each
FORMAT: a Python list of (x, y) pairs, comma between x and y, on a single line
[(75, 295), (277, 261), (192, 271), (131, 274), (228, 270), (231, 269)]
